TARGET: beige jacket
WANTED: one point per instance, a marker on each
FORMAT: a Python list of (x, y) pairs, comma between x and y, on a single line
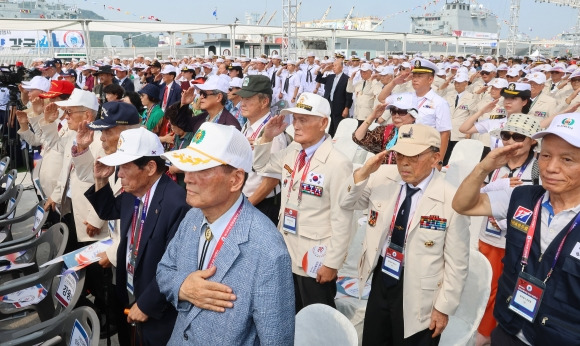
[(321, 220), (436, 262)]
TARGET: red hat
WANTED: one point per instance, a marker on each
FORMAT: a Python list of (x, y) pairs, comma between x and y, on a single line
[(57, 88)]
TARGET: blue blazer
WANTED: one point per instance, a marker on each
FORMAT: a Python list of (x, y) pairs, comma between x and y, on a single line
[(254, 263), (128, 84), (166, 210), (174, 93)]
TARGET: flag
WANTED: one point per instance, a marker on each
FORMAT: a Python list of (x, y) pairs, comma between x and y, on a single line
[(214, 13)]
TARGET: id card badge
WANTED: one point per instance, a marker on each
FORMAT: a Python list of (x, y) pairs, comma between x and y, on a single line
[(393, 261), (491, 230), (130, 272), (290, 220), (527, 296)]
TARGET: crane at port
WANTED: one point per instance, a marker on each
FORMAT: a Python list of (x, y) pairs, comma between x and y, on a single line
[(324, 16)]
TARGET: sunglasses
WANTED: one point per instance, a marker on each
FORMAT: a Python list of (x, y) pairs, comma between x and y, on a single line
[(205, 94), (399, 112), (517, 137), (485, 73), (234, 88)]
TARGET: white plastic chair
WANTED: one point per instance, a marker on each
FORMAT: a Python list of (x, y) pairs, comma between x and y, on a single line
[(345, 128), (466, 154), (462, 326), (319, 324)]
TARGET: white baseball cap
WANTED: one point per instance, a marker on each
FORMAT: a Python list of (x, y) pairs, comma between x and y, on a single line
[(214, 83), (37, 82), (134, 144), (499, 83), (236, 82), (168, 69), (488, 67), (565, 126), (387, 70), (513, 72), (366, 67), (536, 77), (462, 77), (79, 98), (310, 104), (406, 101), (502, 67), (213, 145)]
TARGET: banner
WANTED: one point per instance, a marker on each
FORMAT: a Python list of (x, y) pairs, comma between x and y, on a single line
[(38, 39)]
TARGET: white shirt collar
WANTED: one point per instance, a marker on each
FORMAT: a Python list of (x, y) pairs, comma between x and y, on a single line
[(312, 149), (424, 183)]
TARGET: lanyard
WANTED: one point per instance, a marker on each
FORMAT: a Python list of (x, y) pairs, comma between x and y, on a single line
[(135, 247), (257, 132), (225, 234), (304, 173), (530, 238), (522, 169), (422, 102)]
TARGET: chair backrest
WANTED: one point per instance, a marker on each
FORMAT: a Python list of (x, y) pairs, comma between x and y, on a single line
[(463, 325), (34, 218), (4, 162), (346, 146), (465, 155), (319, 324), (345, 128), (8, 181), (86, 318), (9, 203)]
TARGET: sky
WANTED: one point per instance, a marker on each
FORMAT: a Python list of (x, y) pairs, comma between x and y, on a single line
[(536, 19)]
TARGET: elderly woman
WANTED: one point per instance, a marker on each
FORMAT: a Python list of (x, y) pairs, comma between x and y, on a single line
[(153, 114), (181, 120), (519, 170), (403, 109)]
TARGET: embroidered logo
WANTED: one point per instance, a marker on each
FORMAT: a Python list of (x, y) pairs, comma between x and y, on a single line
[(199, 135)]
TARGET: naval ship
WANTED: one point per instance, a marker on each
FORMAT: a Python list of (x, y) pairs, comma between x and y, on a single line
[(458, 18), (43, 9)]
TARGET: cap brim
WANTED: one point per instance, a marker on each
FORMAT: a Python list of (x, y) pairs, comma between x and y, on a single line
[(245, 93), (569, 139), (188, 160), (118, 158), (50, 94), (297, 110), (99, 125), (409, 149)]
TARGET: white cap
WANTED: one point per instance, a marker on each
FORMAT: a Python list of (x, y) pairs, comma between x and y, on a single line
[(134, 144), (488, 67), (262, 60), (559, 67), (462, 77), (219, 60), (387, 70), (276, 56), (366, 67), (310, 104), (206, 65), (406, 101), (466, 63), (564, 126), (499, 83), (214, 83), (310, 54), (455, 65), (37, 82), (79, 98), (536, 77), (236, 82), (406, 64), (513, 72), (213, 145), (575, 74), (168, 69), (502, 67)]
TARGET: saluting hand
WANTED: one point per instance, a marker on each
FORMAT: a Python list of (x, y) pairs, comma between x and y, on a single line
[(51, 112), (275, 126), (490, 106), (84, 136), (187, 96), (38, 105), (371, 166), (22, 119), (499, 157)]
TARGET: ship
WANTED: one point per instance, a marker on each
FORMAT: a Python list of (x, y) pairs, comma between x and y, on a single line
[(41, 9), (458, 18)]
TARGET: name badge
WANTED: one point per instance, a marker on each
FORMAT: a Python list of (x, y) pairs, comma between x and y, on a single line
[(290, 217), (527, 296), (393, 261), (66, 289), (491, 230), (130, 272)]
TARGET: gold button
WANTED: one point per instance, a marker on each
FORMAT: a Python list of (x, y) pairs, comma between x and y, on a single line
[(439, 284), (348, 189), (429, 243), (379, 205)]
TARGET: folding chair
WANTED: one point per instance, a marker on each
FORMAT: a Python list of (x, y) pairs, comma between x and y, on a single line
[(4, 162), (7, 182), (10, 201), (33, 219), (319, 324)]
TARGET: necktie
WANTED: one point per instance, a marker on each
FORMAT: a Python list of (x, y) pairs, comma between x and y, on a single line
[(165, 97), (334, 83), (456, 100), (301, 159), (552, 87), (400, 229), (309, 75), (286, 84), (133, 248), (364, 84), (273, 79), (208, 237)]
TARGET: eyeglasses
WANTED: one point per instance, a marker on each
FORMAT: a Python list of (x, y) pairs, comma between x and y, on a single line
[(68, 111), (485, 73), (415, 158), (205, 94), (517, 137), (234, 88), (399, 112)]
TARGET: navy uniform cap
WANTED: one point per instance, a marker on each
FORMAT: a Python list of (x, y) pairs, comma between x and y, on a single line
[(116, 113)]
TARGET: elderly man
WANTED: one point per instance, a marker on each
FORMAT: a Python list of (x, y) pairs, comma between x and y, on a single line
[(537, 298), (121, 73), (227, 269), (49, 70), (312, 173), (213, 95), (150, 209), (416, 245), (76, 173), (543, 105), (433, 109), (262, 190), (364, 92)]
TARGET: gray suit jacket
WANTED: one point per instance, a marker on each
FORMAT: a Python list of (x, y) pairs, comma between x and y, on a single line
[(255, 263)]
